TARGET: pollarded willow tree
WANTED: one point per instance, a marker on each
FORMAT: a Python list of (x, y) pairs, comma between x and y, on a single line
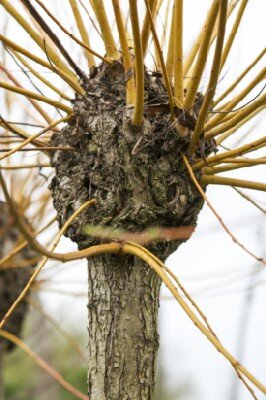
[(139, 145)]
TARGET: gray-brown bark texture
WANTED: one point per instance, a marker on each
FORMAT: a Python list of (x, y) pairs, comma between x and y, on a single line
[(139, 180)]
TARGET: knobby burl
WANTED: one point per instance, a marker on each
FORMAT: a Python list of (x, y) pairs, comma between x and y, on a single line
[(136, 174)]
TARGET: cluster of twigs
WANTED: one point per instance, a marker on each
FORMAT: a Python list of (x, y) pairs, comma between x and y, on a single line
[(218, 118)]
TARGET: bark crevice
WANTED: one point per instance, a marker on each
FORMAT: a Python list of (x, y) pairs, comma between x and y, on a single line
[(123, 338)]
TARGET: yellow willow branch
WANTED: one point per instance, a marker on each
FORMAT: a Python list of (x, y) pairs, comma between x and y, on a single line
[(37, 106), (190, 299), (155, 15), (39, 268), (73, 37), (160, 54), (215, 120), (25, 166), (222, 180), (247, 148), (83, 31), (245, 160), (32, 137), (194, 50), (34, 23), (234, 120), (23, 263), (21, 133), (164, 29), (145, 33), (224, 136), (55, 39), (233, 32), (241, 76), (22, 245), (178, 53), (170, 51), (201, 191), (194, 304), (71, 82), (35, 96), (236, 164), (228, 167), (157, 267), (165, 23), (64, 257), (130, 81), (108, 39), (213, 77), (9, 141), (194, 80), (43, 364), (41, 78), (43, 148), (53, 56), (34, 13), (188, 311), (137, 117)]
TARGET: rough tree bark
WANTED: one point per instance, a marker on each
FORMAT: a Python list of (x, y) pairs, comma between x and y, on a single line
[(138, 179)]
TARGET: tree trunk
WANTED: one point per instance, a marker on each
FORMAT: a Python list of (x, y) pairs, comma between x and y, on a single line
[(123, 338), (138, 178)]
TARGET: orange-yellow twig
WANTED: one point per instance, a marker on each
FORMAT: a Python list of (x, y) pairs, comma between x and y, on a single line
[(213, 77), (224, 180), (178, 53), (147, 25), (107, 36), (22, 245), (82, 44), (194, 179), (37, 270), (162, 63), (32, 137), (130, 80), (246, 148), (137, 117), (200, 62), (83, 31), (159, 268), (233, 32), (241, 76)]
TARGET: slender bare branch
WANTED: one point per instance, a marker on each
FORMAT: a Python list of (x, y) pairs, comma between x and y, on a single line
[(213, 77), (139, 65)]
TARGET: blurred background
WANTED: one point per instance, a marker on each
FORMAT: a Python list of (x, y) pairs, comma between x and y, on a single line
[(228, 285)]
